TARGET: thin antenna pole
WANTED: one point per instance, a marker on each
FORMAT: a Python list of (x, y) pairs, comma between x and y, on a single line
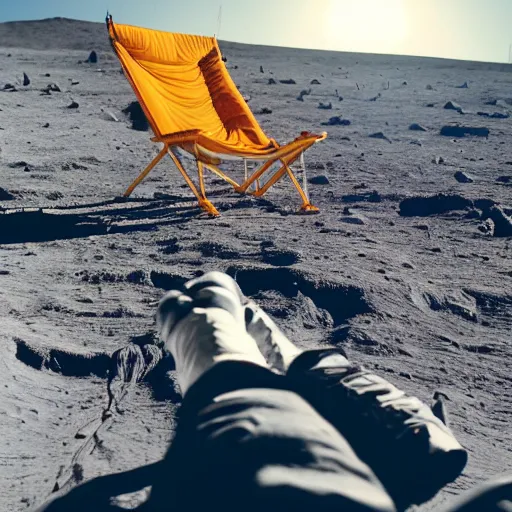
[(219, 22)]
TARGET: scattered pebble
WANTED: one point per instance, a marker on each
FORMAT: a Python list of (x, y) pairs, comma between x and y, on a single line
[(26, 79), (265, 110), (438, 160), (319, 180), (451, 105), (315, 82), (73, 104), (325, 106), (462, 177), (271, 81), (379, 135), (93, 58), (288, 81), (417, 127), (337, 121), (5, 195)]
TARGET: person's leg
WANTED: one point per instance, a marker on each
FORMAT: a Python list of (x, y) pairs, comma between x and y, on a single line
[(244, 442), (410, 450)]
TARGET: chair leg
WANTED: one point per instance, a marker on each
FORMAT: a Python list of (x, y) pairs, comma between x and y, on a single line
[(201, 197), (306, 204), (145, 172)]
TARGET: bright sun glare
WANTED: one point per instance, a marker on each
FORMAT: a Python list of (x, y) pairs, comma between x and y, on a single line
[(367, 24)]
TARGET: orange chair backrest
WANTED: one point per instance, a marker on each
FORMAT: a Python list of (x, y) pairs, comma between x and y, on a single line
[(182, 84)]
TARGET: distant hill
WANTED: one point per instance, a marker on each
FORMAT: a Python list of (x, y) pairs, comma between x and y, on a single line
[(53, 34)]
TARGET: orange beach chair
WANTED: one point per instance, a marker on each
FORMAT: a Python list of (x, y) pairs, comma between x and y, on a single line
[(192, 103)]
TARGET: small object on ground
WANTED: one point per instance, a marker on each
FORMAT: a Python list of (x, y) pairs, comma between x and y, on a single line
[(375, 98), (499, 115), (321, 179), (73, 104), (504, 179), (462, 177), (46, 125), (502, 222), (429, 87), (53, 88), (462, 131), (74, 82), (438, 160), (337, 121), (315, 82), (304, 92), (325, 106), (26, 79), (137, 116), (265, 110), (261, 69), (93, 58), (288, 81), (463, 86), (9, 87), (417, 127), (379, 135), (403, 83), (271, 81), (451, 105)]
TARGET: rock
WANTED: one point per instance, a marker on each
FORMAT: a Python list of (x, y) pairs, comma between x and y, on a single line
[(462, 177), (109, 116), (504, 179), (499, 115), (53, 88), (451, 105), (487, 227), (423, 206), (93, 58), (417, 127), (73, 104), (9, 87), (404, 83), (5, 195), (261, 69), (337, 121), (321, 179), (462, 131), (463, 86), (74, 82), (271, 81), (26, 79), (379, 135), (304, 92), (502, 222), (429, 87), (430, 105), (288, 81), (375, 98), (137, 116), (27, 169), (491, 102), (46, 125), (315, 82), (438, 160), (265, 110), (325, 106)]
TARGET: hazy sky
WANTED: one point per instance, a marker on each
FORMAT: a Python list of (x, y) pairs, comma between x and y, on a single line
[(461, 29)]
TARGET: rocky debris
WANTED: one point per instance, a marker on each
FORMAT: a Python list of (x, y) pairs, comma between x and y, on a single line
[(74, 82), (109, 116), (337, 121), (379, 135), (137, 116), (93, 58), (5, 195), (46, 125), (417, 127), (462, 177), (504, 179), (54, 196), (487, 227), (462, 131), (502, 222), (375, 98), (429, 87), (315, 82), (438, 160), (451, 105), (26, 79), (53, 87), (321, 179), (264, 110), (494, 115), (304, 92), (325, 106), (73, 104), (9, 87), (463, 86), (271, 81), (423, 206), (261, 69), (288, 81)]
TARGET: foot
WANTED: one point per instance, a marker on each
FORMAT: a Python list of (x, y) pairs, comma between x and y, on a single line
[(204, 325)]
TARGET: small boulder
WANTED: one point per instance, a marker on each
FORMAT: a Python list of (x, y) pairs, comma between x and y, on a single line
[(315, 82), (379, 135), (53, 88), (321, 179), (504, 179), (462, 131), (288, 81), (337, 121), (271, 81), (325, 106), (462, 177), (463, 86), (261, 69), (438, 160), (417, 127), (93, 58), (429, 87), (265, 110), (9, 87), (73, 105), (26, 79), (137, 116), (451, 105)]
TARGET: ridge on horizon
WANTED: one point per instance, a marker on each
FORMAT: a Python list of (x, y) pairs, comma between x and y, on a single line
[(97, 29)]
